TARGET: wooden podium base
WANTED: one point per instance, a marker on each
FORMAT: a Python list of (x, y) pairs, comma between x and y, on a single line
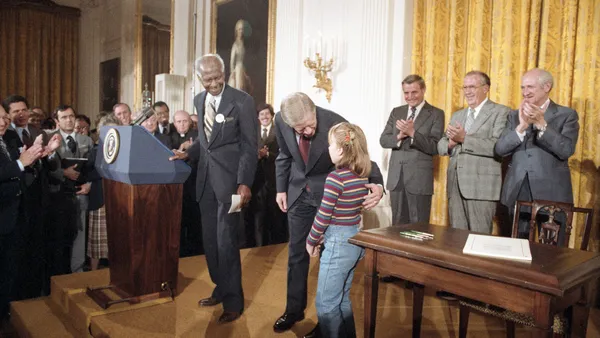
[(100, 296)]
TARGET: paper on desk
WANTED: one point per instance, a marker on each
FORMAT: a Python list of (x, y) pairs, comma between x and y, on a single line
[(236, 204), (498, 247)]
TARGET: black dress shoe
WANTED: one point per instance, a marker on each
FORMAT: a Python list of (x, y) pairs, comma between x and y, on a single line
[(228, 317), (208, 302), (286, 321), (314, 333)]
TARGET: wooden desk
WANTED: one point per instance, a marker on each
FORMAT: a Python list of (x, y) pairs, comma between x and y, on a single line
[(555, 280)]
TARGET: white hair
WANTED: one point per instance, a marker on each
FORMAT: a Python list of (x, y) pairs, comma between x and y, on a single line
[(543, 76), (201, 60)]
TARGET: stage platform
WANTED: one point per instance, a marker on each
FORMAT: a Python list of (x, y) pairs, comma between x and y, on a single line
[(68, 312)]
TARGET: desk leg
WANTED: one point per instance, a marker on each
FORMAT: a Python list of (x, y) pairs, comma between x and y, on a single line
[(579, 319), (418, 294), (580, 312), (371, 293)]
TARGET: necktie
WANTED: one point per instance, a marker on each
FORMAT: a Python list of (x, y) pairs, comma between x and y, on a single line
[(264, 134), (209, 117), (71, 144), (412, 114), (470, 119), (164, 131), (3, 148), (27, 138), (304, 147)]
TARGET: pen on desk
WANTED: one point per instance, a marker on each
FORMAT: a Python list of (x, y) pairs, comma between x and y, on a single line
[(420, 233), (412, 237)]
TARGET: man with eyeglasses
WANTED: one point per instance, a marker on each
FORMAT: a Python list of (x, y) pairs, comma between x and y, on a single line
[(474, 174)]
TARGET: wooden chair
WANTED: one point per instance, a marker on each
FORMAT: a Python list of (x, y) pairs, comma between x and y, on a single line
[(548, 233)]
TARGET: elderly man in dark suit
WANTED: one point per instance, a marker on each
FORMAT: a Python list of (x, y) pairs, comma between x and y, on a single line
[(12, 167), (412, 132), (541, 136), (226, 151), (301, 169)]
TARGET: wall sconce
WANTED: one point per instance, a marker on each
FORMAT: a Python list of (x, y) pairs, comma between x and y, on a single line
[(320, 65)]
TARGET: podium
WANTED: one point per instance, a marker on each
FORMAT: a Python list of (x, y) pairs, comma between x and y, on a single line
[(142, 196)]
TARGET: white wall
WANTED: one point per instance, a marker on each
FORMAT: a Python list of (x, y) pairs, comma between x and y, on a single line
[(375, 41), (99, 40)]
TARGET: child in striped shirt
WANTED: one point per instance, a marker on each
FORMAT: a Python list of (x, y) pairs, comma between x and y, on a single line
[(337, 220)]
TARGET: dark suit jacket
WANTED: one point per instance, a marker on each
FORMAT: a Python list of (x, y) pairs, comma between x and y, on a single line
[(414, 160), (292, 175), (37, 174), (229, 158), (10, 183), (164, 139), (189, 186), (545, 160), (265, 171), (177, 139)]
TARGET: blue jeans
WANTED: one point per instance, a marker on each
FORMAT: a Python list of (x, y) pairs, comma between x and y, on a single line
[(336, 270)]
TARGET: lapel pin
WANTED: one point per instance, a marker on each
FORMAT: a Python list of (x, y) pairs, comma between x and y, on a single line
[(219, 118)]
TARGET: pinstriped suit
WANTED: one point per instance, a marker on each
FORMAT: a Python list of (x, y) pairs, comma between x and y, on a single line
[(474, 174)]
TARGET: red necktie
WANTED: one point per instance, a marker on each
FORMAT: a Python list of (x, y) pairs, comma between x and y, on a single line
[(304, 146)]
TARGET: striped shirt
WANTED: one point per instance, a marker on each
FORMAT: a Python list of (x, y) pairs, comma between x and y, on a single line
[(342, 202)]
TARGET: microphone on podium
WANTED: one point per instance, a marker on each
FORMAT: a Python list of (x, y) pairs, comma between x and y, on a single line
[(144, 115)]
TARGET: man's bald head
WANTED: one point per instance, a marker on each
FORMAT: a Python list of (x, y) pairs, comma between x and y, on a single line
[(182, 121)]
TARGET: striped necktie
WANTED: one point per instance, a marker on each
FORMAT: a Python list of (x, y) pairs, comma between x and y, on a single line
[(470, 119), (209, 117), (412, 115)]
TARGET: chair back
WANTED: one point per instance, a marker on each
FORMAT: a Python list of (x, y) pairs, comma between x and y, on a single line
[(549, 230)]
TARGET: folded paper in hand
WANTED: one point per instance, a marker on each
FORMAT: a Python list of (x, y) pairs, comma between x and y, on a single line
[(236, 204), (498, 247)]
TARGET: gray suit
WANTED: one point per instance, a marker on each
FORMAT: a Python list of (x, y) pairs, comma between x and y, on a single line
[(544, 160), (410, 177), (474, 174), (225, 161), (84, 146)]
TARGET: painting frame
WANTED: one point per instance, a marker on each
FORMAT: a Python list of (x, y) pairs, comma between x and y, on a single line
[(269, 70)]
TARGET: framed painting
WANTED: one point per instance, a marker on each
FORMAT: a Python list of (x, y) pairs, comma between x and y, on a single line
[(110, 77), (243, 34)]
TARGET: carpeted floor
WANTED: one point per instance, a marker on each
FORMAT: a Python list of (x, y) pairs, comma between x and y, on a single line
[(264, 280)]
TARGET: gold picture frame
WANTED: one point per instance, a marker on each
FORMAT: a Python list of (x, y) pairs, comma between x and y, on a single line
[(230, 21)]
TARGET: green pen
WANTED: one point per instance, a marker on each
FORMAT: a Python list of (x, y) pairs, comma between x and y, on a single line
[(420, 233), (412, 237)]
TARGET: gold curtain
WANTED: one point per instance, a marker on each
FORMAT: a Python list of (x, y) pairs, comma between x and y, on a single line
[(505, 38), (39, 53), (156, 50)]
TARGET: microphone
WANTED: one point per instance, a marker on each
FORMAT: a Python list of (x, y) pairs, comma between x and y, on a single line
[(144, 115)]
